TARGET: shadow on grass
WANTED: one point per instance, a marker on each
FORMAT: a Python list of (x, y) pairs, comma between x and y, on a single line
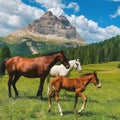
[(68, 112), (34, 97), (89, 114), (45, 99), (93, 101), (112, 117), (86, 114)]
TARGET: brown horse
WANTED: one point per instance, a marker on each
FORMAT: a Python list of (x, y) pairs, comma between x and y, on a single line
[(33, 68), (76, 85)]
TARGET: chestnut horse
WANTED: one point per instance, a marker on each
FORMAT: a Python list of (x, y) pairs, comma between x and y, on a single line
[(76, 85), (62, 71), (32, 68)]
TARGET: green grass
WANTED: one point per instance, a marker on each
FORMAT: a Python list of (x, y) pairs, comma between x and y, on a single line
[(103, 104)]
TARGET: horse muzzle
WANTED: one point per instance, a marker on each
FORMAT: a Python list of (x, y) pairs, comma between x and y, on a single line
[(67, 66), (99, 85), (80, 71)]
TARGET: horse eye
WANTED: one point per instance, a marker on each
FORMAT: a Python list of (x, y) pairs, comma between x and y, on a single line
[(77, 64)]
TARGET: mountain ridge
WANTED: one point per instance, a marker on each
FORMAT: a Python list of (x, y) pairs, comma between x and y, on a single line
[(47, 34), (50, 27)]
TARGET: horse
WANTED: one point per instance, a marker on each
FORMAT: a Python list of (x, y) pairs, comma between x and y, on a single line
[(38, 67), (62, 71), (76, 85)]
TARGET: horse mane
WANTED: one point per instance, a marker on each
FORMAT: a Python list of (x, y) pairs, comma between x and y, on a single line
[(51, 53), (86, 74)]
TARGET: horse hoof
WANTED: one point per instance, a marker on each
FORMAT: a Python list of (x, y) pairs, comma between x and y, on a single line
[(61, 114), (78, 112), (75, 112), (10, 96), (39, 98), (49, 111), (16, 97)]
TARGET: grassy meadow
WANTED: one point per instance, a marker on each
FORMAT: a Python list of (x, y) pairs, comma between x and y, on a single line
[(103, 103)]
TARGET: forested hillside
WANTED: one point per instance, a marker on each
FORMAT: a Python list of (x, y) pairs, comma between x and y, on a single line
[(108, 50)]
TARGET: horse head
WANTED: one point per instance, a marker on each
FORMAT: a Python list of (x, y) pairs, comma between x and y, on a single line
[(63, 59), (77, 65), (95, 80)]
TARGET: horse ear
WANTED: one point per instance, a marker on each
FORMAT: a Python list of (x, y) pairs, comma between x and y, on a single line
[(78, 60), (95, 73), (62, 51)]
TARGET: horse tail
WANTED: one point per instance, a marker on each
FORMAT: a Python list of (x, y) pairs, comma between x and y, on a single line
[(51, 86), (3, 67), (51, 90)]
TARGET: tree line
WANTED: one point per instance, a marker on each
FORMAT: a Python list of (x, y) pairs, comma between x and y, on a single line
[(108, 50), (4, 53)]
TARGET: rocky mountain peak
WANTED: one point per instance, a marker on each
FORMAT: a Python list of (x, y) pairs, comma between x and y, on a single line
[(49, 24), (51, 27), (64, 20), (48, 13)]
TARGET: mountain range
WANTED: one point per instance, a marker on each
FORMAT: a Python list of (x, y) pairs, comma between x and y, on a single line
[(48, 33)]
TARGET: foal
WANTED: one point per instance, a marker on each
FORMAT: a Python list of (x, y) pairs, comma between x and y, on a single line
[(62, 71), (76, 85)]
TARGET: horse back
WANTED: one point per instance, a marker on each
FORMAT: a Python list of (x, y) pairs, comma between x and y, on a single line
[(69, 84), (28, 67), (11, 64), (61, 82), (18, 64)]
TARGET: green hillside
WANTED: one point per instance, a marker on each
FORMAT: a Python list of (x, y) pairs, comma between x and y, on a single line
[(108, 50), (22, 46)]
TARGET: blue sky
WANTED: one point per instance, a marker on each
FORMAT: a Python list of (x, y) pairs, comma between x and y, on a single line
[(95, 20)]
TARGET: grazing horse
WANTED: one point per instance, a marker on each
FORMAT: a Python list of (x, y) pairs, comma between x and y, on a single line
[(76, 85), (62, 71), (32, 68)]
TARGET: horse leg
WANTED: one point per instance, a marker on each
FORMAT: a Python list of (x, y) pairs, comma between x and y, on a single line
[(40, 89), (49, 101), (48, 80), (9, 85), (76, 100), (57, 100), (14, 83), (50, 96), (84, 101)]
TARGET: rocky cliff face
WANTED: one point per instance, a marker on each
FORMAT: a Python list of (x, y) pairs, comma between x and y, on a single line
[(49, 24), (50, 27)]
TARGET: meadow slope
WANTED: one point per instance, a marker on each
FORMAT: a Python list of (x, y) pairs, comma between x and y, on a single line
[(103, 103)]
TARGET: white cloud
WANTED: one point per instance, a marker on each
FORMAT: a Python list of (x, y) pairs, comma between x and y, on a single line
[(73, 5), (15, 15), (50, 3), (57, 11), (57, 4), (117, 13), (90, 30), (116, 0)]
